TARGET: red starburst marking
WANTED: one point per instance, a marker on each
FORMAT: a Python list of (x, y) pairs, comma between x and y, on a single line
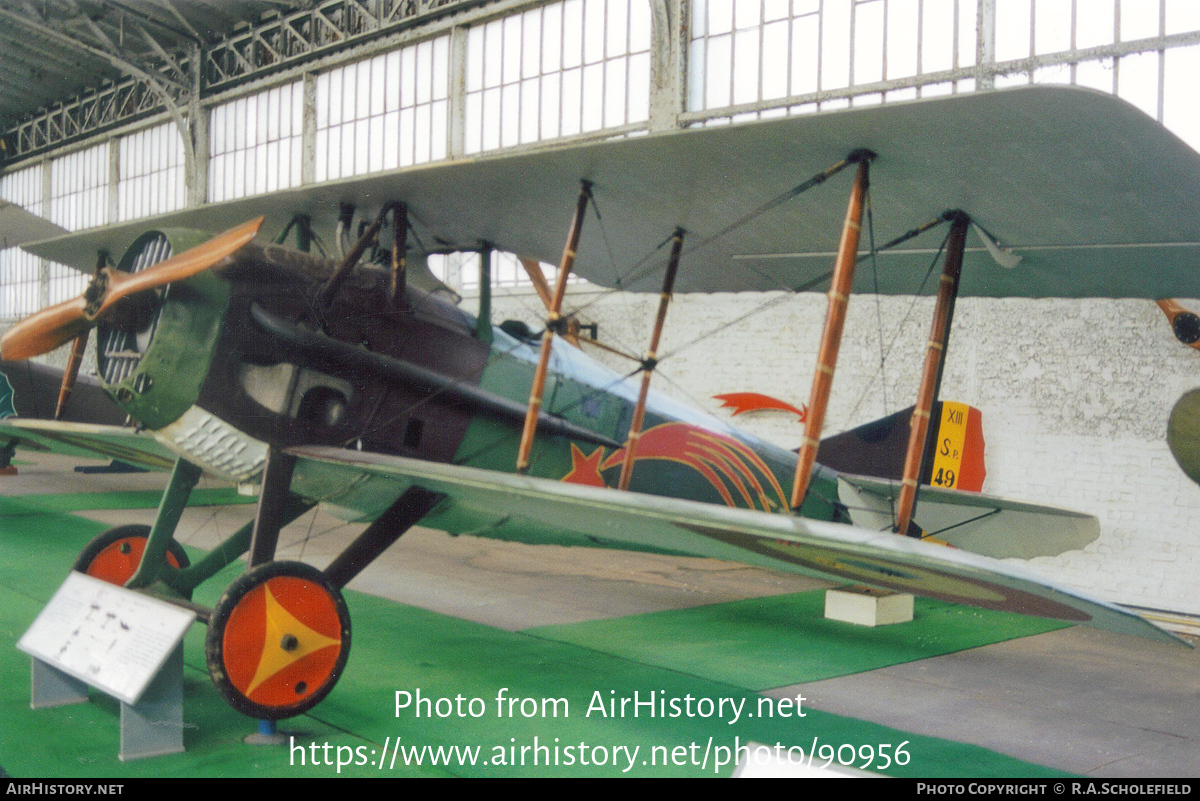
[(725, 462)]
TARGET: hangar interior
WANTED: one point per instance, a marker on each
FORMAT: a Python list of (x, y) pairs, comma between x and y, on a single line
[(122, 111)]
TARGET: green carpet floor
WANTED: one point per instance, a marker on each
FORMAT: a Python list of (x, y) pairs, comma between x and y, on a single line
[(762, 643), (402, 648)]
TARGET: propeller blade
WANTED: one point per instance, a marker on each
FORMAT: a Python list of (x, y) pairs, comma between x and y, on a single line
[(45, 330), (50, 328), (177, 268), (70, 374)]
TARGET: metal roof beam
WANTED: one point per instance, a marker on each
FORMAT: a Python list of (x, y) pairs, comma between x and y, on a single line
[(189, 34), (46, 52), (67, 40), (155, 83), (172, 62), (182, 20)]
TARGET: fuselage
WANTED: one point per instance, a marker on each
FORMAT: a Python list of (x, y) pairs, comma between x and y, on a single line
[(235, 364)]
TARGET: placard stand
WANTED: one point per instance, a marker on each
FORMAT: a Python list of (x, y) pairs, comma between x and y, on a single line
[(124, 644), (151, 727), (50, 687), (154, 725)]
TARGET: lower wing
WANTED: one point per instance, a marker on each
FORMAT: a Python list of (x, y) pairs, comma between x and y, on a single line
[(776, 541), (88, 441)]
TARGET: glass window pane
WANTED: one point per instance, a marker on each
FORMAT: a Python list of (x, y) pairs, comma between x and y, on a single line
[(618, 28), (868, 43), (1013, 18), (531, 43), (1052, 26), (1095, 28), (614, 93), (1139, 19)]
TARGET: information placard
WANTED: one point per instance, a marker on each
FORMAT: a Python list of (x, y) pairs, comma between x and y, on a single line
[(110, 637)]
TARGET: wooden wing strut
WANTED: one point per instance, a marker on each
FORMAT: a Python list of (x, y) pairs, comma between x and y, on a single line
[(831, 338), (553, 320), (931, 375), (651, 360)]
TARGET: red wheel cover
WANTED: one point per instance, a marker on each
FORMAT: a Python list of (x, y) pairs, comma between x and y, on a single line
[(283, 608), (116, 567)]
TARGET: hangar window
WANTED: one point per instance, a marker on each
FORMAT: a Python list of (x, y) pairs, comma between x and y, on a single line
[(559, 70), (385, 112), (79, 184), (461, 271), (20, 286), (757, 53), (65, 282), (150, 176), (255, 143), (759, 58)]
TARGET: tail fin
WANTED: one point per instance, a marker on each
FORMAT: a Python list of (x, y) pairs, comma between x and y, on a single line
[(953, 460), (871, 461)]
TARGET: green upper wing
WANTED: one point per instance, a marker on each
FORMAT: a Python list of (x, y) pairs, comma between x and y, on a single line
[(1096, 197), (757, 538)]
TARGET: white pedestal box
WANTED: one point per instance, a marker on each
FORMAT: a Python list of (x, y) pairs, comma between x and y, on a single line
[(867, 607)]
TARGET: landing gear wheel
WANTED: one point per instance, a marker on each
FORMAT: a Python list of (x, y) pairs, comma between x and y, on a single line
[(114, 555), (278, 640)]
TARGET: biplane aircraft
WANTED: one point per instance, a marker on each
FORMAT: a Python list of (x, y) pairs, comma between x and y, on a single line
[(339, 382)]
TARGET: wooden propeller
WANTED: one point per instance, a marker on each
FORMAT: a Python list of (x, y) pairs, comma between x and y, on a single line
[(57, 325), (78, 348)]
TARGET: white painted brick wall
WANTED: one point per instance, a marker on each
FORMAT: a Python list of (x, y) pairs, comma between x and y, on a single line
[(1075, 398)]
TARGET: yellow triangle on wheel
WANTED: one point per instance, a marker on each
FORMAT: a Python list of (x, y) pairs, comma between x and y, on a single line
[(280, 623)]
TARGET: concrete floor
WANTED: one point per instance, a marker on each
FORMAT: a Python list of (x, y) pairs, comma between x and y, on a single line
[(1078, 699)]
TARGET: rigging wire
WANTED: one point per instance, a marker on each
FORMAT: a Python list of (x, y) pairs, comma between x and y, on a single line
[(680, 388), (456, 381), (639, 272), (326, 532), (759, 308), (583, 398), (311, 522), (906, 236), (878, 302), (900, 325), (774, 202), (496, 356), (878, 325), (618, 286), (636, 272), (211, 518), (612, 260)]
